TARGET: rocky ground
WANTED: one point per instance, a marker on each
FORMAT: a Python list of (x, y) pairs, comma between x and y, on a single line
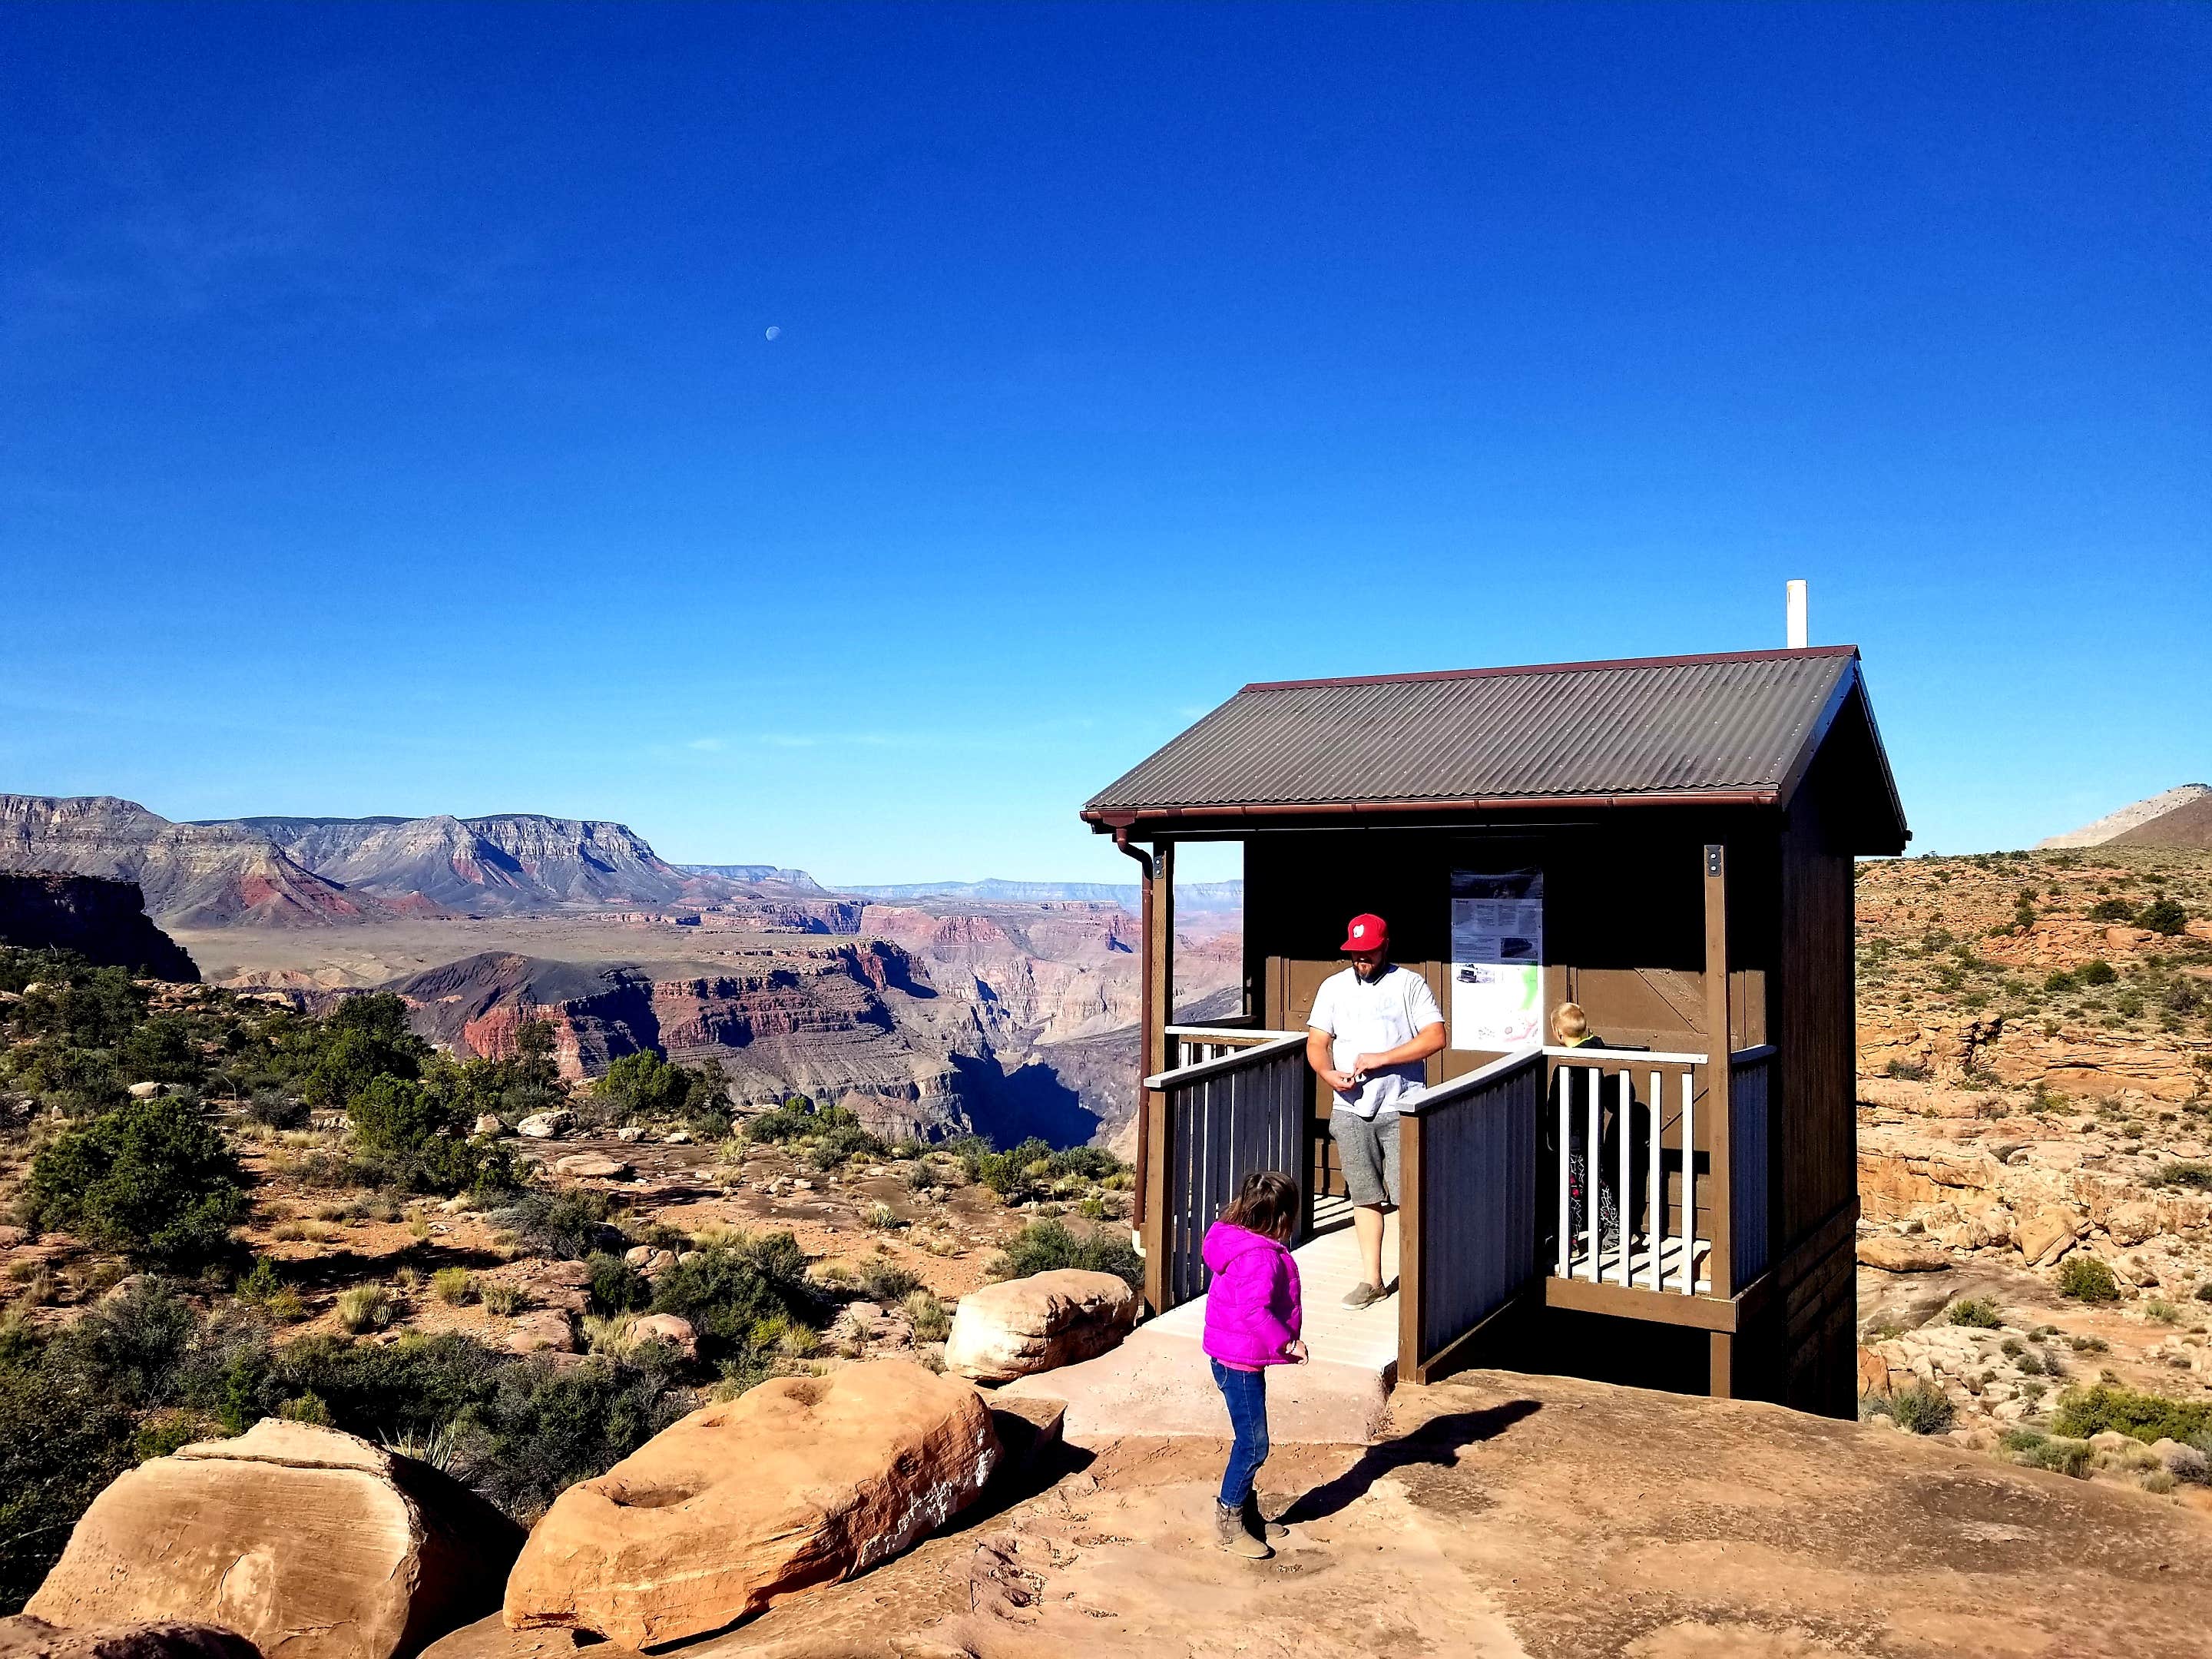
[(2036, 1094), (1515, 1516)]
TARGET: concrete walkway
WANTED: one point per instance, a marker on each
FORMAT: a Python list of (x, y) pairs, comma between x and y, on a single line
[(1159, 1382)]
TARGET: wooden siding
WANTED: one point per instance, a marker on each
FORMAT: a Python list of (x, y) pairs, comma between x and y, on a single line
[(1750, 1109), (1812, 1011)]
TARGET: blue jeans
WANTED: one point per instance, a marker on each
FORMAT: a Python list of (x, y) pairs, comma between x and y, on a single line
[(1247, 1394)]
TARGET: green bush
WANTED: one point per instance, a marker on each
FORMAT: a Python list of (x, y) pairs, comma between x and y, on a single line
[(931, 1322), (644, 1085), (569, 1221), (1044, 1245), (2088, 1278), (453, 1286), (2059, 980), (886, 1282), (729, 1289), (1976, 1312), (2163, 916), (616, 1287), (2095, 973), (2186, 1173), (2040, 1451), (2113, 909), (2147, 1417), (1923, 1410), (366, 1308), (151, 1178)]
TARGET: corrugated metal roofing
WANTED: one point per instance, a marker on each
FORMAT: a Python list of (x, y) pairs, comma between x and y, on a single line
[(1725, 725)]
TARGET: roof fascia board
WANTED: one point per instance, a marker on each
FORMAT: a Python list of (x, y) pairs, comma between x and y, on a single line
[(1559, 668), (1129, 818)]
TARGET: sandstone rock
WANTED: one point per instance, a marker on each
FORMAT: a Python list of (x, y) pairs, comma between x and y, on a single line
[(676, 1138), (800, 1481), (1888, 1251), (545, 1331), (672, 1328), (149, 1091), (488, 1123), (1874, 1374), (490, 1639), (26, 1638), (2184, 1462), (1050, 1319), (629, 1132), (638, 1254), (2047, 1235), (308, 1542), (565, 1286), (2133, 1221), (544, 1126), (591, 1166)]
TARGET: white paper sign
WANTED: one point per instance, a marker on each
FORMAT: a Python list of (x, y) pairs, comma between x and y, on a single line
[(1497, 959)]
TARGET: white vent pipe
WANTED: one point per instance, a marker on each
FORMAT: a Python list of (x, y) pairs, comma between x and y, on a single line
[(1797, 636)]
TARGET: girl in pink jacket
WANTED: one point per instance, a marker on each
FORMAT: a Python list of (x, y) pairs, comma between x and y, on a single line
[(1252, 1318)]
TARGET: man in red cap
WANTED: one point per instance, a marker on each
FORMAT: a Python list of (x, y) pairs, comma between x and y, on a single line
[(1371, 1027)]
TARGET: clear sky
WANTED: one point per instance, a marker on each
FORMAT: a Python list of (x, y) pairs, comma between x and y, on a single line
[(849, 437)]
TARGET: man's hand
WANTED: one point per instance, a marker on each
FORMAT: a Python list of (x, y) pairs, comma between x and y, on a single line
[(1363, 1064), (1343, 1082)]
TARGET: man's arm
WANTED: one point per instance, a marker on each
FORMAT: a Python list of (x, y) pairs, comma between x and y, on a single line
[(1321, 1056), (1423, 1043)]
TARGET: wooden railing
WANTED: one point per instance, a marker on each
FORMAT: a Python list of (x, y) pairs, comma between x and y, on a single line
[(1751, 1113), (1590, 1089), (1241, 1108), (1468, 1233)]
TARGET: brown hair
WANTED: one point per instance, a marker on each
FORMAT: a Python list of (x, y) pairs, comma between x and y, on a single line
[(1266, 1203)]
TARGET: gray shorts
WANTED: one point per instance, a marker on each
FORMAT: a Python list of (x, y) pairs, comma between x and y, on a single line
[(1368, 1149)]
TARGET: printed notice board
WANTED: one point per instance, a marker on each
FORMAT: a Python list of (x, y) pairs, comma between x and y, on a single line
[(1497, 959)]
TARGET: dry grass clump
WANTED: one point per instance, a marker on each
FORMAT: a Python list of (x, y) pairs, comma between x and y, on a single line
[(367, 1308), (453, 1286)]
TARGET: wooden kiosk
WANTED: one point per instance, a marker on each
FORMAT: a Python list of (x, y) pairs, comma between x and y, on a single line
[(1668, 841)]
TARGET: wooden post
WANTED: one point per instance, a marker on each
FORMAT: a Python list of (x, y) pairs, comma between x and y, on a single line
[(1155, 1012), (1410, 1284), (1720, 1196)]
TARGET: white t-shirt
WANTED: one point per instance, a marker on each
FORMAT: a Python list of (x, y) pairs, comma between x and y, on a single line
[(1367, 1017)]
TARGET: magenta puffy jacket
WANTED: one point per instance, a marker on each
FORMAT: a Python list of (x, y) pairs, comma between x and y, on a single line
[(1252, 1308)]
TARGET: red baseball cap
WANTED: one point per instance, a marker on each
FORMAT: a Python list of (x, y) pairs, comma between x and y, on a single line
[(1366, 932)]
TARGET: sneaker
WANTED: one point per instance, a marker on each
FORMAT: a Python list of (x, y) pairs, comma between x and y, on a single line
[(1230, 1533), (1362, 1295)]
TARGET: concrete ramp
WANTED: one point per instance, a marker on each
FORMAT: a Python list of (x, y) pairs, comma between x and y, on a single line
[(1158, 1382)]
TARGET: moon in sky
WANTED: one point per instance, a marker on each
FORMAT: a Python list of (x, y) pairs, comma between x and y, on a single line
[(774, 331)]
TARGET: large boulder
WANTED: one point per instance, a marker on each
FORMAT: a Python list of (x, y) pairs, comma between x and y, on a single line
[(546, 1126), (310, 1543), (26, 1638), (800, 1481), (1036, 1324), (1893, 1253)]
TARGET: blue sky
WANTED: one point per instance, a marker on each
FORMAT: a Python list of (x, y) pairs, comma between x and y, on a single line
[(389, 420)]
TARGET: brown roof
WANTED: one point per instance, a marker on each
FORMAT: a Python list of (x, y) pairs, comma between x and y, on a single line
[(1738, 728)]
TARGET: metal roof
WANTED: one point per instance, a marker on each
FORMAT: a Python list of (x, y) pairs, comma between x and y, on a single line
[(1734, 728)]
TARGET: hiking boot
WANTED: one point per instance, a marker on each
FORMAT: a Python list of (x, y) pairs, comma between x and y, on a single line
[(1230, 1533), (1257, 1524), (1362, 1295)]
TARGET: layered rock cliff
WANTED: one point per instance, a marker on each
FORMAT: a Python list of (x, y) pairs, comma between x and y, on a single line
[(103, 921)]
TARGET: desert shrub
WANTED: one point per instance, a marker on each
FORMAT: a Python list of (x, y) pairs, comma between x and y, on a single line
[(151, 1178), (1977, 1312), (886, 1282), (1923, 1410), (78, 1082), (2097, 972), (931, 1322), (616, 1287), (2088, 1278), (90, 1007), (2163, 916), (881, 1218), (2205, 1292), (2040, 1451), (164, 1048), (1044, 1245), (727, 1289), (2147, 1417), (366, 1308), (1909, 1070), (275, 1109), (63, 1438), (362, 1039), (569, 1221), (645, 1085), (2113, 909), (2159, 1309), (2186, 1173), (453, 1286), (503, 1299), (2059, 980), (412, 1134), (1091, 1162)]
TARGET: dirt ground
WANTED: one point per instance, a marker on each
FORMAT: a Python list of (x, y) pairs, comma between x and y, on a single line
[(1509, 1514)]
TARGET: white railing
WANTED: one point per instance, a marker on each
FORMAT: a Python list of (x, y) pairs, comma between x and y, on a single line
[(1193, 1045), (1662, 1257)]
